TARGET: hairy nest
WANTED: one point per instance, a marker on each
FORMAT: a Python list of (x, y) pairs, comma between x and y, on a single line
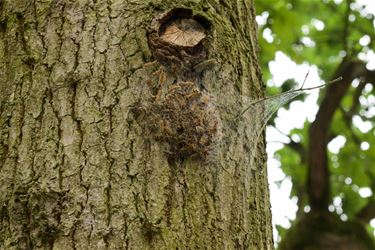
[(185, 119)]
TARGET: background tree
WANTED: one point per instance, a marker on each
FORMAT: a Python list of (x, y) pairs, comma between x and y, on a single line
[(338, 37), (78, 167)]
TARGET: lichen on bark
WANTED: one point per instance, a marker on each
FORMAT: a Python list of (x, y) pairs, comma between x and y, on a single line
[(77, 171)]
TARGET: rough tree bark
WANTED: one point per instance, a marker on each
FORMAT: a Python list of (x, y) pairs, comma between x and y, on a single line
[(77, 170)]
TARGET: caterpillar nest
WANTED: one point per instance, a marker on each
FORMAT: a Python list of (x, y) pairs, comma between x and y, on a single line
[(185, 119)]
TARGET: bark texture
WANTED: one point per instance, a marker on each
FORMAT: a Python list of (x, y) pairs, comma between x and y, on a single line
[(76, 169)]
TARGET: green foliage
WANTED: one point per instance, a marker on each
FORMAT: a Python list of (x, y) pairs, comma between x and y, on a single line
[(293, 167), (293, 23), (323, 33)]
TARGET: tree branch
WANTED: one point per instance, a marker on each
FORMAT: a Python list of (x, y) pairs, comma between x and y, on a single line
[(367, 213), (348, 115), (318, 173)]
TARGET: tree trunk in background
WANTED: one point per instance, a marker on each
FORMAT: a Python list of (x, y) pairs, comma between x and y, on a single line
[(77, 171)]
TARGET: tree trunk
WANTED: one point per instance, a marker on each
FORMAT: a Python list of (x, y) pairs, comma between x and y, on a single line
[(79, 169)]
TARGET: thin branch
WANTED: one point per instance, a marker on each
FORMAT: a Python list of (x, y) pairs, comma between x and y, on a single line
[(287, 92), (281, 132), (295, 146), (304, 80)]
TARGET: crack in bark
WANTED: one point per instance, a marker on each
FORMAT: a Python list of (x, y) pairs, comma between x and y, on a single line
[(110, 176)]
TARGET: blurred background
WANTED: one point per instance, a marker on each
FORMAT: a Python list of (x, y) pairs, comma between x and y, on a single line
[(321, 146)]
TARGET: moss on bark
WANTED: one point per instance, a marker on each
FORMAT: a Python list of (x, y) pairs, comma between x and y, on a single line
[(77, 171)]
